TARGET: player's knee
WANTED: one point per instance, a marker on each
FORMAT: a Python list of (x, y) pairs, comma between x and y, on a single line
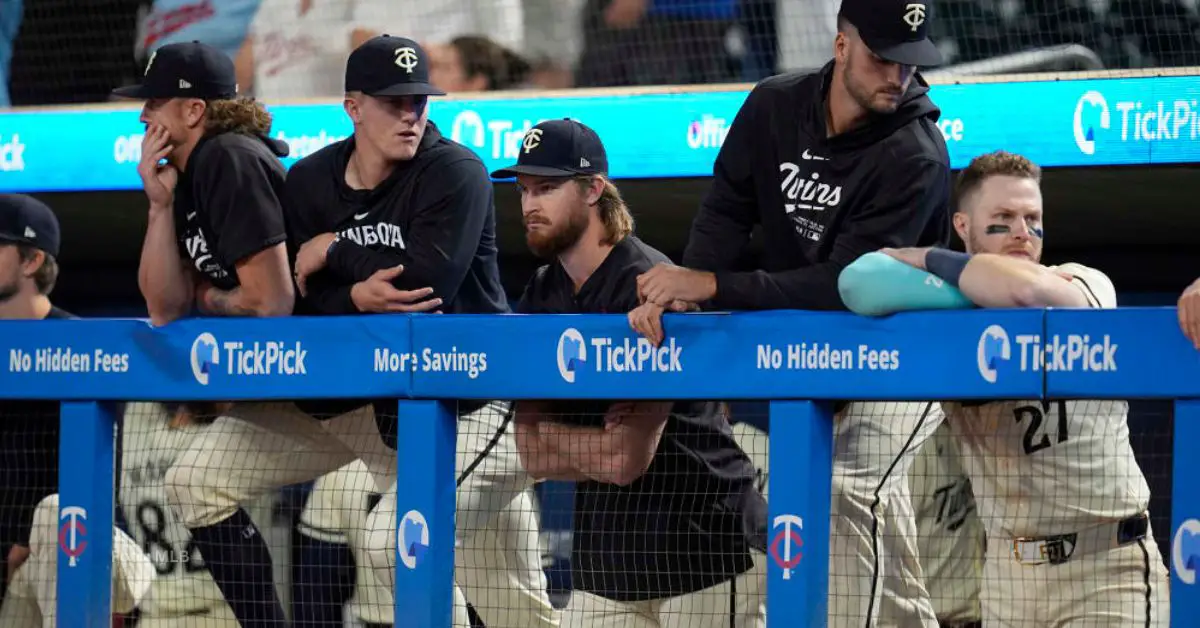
[(852, 495), (380, 551)]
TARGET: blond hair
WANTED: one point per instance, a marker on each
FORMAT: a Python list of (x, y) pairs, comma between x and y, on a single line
[(995, 164), (614, 213), (239, 115)]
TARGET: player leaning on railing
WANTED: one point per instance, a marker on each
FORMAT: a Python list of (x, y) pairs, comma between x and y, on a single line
[(665, 501), (399, 218), (29, 441), (832, 165), (214, 235), (215, 243), (1059, 491)]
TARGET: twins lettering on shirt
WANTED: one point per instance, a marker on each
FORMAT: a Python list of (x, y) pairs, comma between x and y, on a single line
[(805, 193)]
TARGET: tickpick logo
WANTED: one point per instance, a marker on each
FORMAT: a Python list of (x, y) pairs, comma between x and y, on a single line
[(204, 357), (572, 354), (1185, 551), (414, 538), (1085, 133), (993, 347)]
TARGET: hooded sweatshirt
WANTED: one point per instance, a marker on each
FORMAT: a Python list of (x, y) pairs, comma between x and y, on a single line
[(227, 203), (821, 201), (434, 215)]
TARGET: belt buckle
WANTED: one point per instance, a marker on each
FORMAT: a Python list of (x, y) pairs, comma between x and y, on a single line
[(1019, 556), (1054, 550)]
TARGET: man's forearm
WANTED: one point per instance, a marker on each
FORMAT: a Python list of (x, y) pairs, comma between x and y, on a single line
[(808, 288), (1001, 281), (165, 283), (540, 459), (592, 452), (227, 303)]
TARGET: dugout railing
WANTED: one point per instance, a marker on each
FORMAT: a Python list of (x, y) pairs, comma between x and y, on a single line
[(428, 362)]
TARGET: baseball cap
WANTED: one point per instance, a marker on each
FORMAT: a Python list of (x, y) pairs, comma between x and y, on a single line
[(26, 220), (896, 30), (390, 66), (185, 70), (558, 148)]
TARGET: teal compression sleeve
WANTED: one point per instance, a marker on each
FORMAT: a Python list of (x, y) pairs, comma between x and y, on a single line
[(877, 284)]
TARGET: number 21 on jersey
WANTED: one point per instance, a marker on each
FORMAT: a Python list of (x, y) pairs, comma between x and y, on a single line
[(1038, 430)]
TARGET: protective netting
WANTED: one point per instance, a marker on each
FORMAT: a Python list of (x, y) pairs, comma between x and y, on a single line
[(651, 512), (28, 484), (562, 520), (291, 49), (1038, 513)]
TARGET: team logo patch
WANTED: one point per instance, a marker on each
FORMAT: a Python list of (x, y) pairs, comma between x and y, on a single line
[(785, 547)]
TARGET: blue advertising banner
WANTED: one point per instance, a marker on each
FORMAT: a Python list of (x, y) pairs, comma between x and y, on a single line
[(1121, 353), (195, 359), (1142, 121), (777, 355)]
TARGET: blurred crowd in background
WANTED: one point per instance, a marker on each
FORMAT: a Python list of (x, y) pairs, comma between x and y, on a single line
[(66, 51)]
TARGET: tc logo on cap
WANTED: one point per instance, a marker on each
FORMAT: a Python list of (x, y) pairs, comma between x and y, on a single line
[(532, 140), (914, 15), (407, 59)]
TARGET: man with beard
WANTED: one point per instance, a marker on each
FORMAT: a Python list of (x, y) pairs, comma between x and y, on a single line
[(833, 165), (29, 440), (665, 502)]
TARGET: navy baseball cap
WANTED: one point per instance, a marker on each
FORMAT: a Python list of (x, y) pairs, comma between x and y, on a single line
[(390, 66), (26, 220), (896, 30), (185, 70), (558, 148)]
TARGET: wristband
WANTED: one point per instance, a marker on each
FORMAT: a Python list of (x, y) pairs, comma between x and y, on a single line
[(946, 264), (332, 243)]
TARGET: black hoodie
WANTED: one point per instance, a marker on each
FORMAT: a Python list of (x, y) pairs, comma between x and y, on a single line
[(434, 214), (227, 203), (822, 202)]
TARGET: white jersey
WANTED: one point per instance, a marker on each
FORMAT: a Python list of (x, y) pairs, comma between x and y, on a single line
[(949, 535), (149, 447), (1044, 468), (336, 512), (301, 55)]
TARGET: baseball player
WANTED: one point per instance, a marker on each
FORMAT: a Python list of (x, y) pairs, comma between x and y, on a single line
[(950, 538), (336, 516), (643, 554), (29, 440), (398, 218), (29, 241), (1189, 313), (183, 592), (215, 235), (216, 242), (833, 165), (31, 600), (1059, 491)]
